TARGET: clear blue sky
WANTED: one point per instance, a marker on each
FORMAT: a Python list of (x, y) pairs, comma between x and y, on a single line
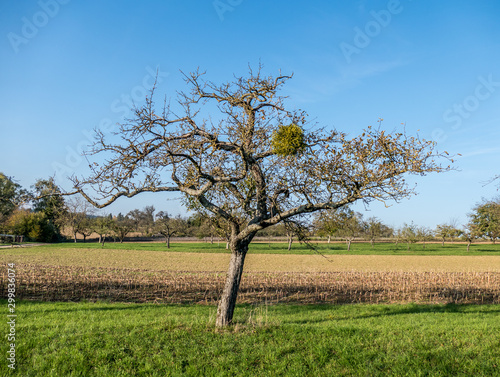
[(67, 67)]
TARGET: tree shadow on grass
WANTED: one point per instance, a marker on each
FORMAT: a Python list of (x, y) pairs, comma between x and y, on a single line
[(380, 311)]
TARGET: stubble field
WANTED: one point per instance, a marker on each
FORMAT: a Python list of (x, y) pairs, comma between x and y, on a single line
[(137, 275)]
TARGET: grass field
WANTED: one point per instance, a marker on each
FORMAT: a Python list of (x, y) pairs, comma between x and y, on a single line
[(102, 339), (337, 248), (119, 328)]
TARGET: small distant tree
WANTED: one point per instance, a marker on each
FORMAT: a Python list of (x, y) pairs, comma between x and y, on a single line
[(349, 225), (373, 229), (409, 234), (199, 226), (424, 234), (469, 234), (168, 226), (143, 220), (122, 227), (102, 226), (76, 218), (326, 224), (442, 231), (85, 227)]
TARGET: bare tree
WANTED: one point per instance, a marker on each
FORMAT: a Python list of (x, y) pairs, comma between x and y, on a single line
[(424, 234), (350, 225), (75, 219), (409, 234), (122, 226), (469, 233), (252, 164), (374, 228), (143, 220), (168, 226), (85, 227), (102, 226)]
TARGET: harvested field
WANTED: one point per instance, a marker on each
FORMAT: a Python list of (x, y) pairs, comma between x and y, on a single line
[(174, 277), (56, 283)]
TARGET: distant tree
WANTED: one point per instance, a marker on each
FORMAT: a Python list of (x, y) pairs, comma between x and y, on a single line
[(168, 226), (217, 227), (143, 220), (199, 227), (449, 230), (469, 234), (326, 224), (409, 234), (254, 164), (122, 227), (349, 224), (12, 195), (485, 219), (424, 234), (102, 226), (85, 227), (373, 228), (442, 231), (48, 199), (34, 226), (76, 218)]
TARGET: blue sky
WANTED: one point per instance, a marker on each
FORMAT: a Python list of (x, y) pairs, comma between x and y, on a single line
[(67, 67)]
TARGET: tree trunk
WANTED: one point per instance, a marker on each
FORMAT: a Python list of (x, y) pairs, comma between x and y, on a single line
[(290, 240), (468, 246), (349, 244), (168, 242), (329, 238), (408, 248), (442, 244), (74, 237), (227, 301)]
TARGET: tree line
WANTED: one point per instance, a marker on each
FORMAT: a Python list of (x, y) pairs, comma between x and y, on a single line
[(54, 218)]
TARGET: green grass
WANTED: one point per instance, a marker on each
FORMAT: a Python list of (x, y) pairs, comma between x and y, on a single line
[(102, 339), (281, 248)]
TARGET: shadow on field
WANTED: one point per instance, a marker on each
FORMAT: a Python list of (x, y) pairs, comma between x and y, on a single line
[(392, 310)]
